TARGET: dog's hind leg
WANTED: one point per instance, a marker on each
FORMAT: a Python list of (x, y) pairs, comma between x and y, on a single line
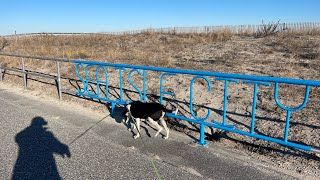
[(138, 128), (154, 123), (164, 124)]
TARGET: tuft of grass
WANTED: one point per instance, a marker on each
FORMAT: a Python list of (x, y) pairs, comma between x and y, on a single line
[(80, 55), (3, 43)]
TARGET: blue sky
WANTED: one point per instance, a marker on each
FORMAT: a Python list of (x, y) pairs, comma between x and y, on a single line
[(26, 16)]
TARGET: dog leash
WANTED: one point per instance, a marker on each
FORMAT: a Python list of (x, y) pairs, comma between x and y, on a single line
[(80, 135), (144, 144)]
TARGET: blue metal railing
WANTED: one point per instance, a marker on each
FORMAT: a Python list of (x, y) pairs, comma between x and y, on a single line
[(227, 78), (101, 70)]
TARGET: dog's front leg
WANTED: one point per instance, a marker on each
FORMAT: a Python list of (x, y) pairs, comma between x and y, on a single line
[(138, 128), (164, 124)]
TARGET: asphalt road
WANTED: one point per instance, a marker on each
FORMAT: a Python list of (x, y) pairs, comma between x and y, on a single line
[(43, 139)]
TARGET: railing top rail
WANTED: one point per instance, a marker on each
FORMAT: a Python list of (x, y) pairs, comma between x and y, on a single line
[(183, 71), (208, 73), (37, 57)]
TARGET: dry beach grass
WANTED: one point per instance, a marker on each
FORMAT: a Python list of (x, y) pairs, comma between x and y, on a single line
[(284, 54)]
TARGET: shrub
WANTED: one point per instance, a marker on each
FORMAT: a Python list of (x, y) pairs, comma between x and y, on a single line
[(267, 29)]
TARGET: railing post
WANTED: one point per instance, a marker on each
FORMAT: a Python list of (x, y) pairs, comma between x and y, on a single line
[(144, 86), (113, 105), (0, 73), (24, 74), (202, 133), (59, 80)]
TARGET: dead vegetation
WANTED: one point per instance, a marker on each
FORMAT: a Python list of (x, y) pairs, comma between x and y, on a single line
[(268, 29), (142, 48), (3, 43)]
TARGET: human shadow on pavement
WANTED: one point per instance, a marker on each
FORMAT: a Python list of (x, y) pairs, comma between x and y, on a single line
[(37, 145)]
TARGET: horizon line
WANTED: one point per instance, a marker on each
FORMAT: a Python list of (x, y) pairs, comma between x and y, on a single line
[(316, 23)]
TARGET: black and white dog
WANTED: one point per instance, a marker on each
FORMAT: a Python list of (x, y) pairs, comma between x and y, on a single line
[(153, 112)]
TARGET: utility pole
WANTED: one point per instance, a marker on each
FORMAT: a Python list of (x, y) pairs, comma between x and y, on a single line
[(15, 34)]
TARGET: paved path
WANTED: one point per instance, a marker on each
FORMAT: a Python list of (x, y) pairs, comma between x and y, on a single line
[(43, 139)]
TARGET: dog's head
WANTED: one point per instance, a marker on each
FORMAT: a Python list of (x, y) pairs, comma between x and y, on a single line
[(126, 114)]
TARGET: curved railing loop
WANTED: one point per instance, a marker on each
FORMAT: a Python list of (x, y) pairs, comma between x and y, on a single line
[(289, 110), (99, 82), (121, 69), (161, 86), (131, 82), (191, 97), (85, 84), (306, 96)]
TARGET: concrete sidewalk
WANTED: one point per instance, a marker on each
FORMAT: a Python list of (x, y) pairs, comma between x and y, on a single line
[(99, 147)]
